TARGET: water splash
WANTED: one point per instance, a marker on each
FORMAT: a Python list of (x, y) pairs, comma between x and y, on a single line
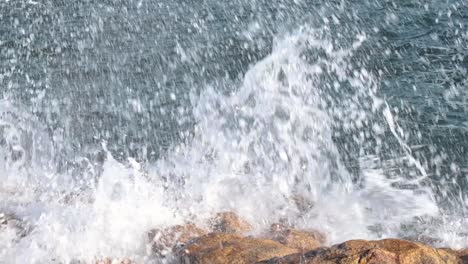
[(270, 141), (255, 150)]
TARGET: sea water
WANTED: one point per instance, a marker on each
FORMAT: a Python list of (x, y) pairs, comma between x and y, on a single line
[(120, 117)]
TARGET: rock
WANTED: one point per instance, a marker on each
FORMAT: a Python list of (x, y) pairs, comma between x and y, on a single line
[(463, 255), (227, 248), (387, 251), (229, 222), (164, 241), (293, 238)]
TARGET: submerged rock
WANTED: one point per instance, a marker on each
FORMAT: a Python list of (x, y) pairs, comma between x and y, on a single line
[(227, 248), (387, 251), (229, 222), (165, 241), (299, 239)]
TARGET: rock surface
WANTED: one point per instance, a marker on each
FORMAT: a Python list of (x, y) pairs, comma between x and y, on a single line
[(387, 251), (164, 241), (283, 244), (229, 222), (227, 248), (463, 255), (299, 239)]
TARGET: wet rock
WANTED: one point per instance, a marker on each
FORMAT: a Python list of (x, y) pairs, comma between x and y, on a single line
[(229, 222), (388, 251), (299, 239), (164, 241), (227, 248), (463, 255)]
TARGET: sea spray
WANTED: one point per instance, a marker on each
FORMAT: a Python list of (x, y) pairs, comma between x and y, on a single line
[(272, 138)]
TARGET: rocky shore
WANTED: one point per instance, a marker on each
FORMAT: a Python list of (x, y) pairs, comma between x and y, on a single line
[(226, 241)]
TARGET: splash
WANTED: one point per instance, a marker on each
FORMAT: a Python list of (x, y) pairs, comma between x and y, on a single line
[(267, 150), (271, 141)]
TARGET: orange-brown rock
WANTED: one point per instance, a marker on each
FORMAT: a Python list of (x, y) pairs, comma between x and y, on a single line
[(224, 248), (229, 222), (388, 251), (293, 238), (463, 255), (164, 241)]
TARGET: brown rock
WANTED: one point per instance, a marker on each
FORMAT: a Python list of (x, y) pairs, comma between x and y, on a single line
[(387, 251), (229, 222), (164, 241), (302, 240), (463, 255), (222, 248)]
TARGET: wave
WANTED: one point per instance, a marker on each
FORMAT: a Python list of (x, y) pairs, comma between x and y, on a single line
[(301, 139)]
